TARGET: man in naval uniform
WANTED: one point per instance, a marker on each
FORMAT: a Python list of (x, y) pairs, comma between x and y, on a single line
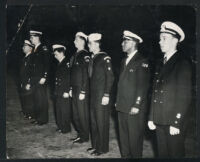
[(62, 88), (25, 76), (40, 61), (131, 100), (171, 95), (101, 82), (80, 88)]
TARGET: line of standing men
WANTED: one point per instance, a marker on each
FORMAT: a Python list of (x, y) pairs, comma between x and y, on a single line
[(87, 80)]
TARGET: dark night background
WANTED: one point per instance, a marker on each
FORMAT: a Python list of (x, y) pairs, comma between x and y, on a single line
[(60, 23)]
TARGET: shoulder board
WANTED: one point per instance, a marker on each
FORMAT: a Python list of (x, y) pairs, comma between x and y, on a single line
[(87, 58), (102, 53), (145, 65), (68, 64), (107, 58), (44, 48)]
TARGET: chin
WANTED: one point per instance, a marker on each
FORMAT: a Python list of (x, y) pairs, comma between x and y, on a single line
[(162, 50)]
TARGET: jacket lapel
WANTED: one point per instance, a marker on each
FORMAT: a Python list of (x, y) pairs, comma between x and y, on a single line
[(166, 68), (35, 50), (133, 62)]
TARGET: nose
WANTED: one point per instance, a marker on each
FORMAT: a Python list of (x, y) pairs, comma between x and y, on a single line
[(160, 42)]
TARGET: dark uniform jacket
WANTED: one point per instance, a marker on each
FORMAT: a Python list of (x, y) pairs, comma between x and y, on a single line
[(133, 84), (40, 63), (79, 70), (25, 71), (62, 80), (101, 78), (171, 95)]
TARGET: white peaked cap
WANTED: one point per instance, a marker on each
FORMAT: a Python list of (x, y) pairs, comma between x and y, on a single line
[(28, 43), (94, 37), (130, 35), (172, 28), (56, 46), (33, 32), (81, 34)]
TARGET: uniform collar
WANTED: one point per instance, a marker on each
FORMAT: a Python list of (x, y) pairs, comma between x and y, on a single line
[(78, 52), (169, 55), (62, 60), (94, 55), (37, 46), (130, 56), (81, 50), (26, 55)]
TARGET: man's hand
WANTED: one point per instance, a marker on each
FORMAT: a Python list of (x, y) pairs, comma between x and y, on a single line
[(81, 96), (173, 130), (42, 81), (151, 125), (105, 100), (28, 87), (134, 111), (65, 95), (70, 93)]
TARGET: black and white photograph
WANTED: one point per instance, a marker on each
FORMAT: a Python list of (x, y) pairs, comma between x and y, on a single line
[(101, 81)]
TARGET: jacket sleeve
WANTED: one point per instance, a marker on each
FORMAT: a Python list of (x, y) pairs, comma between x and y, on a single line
[(109, 77), (143, 80), (183, 92), (84, 79), (66, 77), (29, 70), (46, 55)]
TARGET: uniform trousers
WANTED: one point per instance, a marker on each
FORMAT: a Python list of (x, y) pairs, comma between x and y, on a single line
[(27, 103), (169, 145), (80, 114), (131, 133), (40, 103), (100, 123), (63, 114)]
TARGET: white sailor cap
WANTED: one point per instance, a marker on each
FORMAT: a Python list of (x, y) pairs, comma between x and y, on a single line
[(94, 37), (131, 36), (33, 32), (81, 34), (27, 42), (57, 46), (174, 29)]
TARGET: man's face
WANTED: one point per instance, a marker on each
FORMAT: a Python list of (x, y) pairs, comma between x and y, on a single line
[(167, 42), (92, 46), (57, 55), (78, 42), (34, 39), (26, 48), (127, 45)]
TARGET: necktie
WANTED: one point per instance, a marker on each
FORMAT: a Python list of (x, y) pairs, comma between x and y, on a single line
[(90, 66), (125, 60), (165, 60)]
